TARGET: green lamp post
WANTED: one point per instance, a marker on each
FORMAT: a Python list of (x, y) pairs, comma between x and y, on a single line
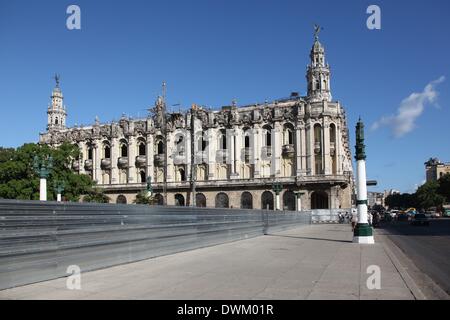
[(277, 188), (363, 232), (43, 168)]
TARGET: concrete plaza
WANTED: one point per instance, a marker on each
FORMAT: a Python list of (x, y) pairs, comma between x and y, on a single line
[(313, 262)]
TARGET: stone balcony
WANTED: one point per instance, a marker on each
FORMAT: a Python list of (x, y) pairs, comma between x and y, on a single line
[(76, 165), (106, 163), (332, 148), (266, 151), (246, 154), (122, 162), (221, 155), (317, 147), (159, 160), (141, 161), (288, 151), (201, 157), (88, 165)]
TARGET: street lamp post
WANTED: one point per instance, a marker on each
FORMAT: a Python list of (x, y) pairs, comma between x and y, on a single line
[(277, 188), (43, 168), (59, 186), (363, 232)]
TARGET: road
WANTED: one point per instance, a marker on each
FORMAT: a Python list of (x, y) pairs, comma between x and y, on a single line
[(427, 247)]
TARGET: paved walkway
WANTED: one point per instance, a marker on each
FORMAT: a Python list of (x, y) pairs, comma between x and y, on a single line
[(316, 262)]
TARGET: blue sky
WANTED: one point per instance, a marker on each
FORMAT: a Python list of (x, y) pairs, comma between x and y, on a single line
[(212, 51)]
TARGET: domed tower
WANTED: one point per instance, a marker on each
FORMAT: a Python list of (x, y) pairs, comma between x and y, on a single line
[(56, 112), (318, 72)]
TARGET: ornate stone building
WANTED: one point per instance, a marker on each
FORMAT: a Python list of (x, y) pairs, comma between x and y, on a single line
[(239, 156)]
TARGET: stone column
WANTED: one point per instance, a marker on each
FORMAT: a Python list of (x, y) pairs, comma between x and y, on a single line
[(82, 146), (234, 155), (132, 160), (277, 141), (326, 147), (114, 158), (298, 150), (211, 150), (338, 150), (310, 148), (150, 156), (97, 174), (256, 150)]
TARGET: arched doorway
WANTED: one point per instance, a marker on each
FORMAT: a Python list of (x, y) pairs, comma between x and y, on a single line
[(267, 200), (159, 200), (289, 201), (246, 200), (319, 200), (222, 200), (200, 200), (121, 199), (179, 200)]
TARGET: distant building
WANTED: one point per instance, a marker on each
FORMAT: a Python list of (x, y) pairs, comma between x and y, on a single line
[(233, 157), (375, 198), (435, 169)]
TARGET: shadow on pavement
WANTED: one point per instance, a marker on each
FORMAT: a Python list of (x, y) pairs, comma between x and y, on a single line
[(309, 238)]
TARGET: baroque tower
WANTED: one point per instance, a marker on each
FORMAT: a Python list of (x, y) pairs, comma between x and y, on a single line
[(56, 112), (318, 73)]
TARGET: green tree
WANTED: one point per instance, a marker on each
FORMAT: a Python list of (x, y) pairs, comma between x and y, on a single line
[(143, 198), (428, 196), (444, 187), (18, 180), (96, 195)]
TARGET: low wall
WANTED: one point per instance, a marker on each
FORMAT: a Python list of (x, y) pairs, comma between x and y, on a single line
[(40, 240), (327, 215)]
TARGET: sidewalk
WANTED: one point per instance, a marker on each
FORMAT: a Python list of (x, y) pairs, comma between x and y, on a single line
[(316, 262)]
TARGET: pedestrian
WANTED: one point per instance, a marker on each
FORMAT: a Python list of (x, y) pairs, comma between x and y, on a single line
[(354, 221)]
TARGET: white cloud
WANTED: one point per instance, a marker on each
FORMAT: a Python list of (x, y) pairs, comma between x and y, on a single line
[(409, 110)]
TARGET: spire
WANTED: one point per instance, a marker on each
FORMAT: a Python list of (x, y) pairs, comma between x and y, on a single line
[(318, 72), (56, 112)]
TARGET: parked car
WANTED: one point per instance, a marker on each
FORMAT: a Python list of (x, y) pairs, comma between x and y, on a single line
[(420, 219), (402, 217), (446, 211)]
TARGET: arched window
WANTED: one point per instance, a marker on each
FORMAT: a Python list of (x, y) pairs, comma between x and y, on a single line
[(200, 200), (160, 147), (121, 199), (223, 139), (182, 174), (179, 200), (143, 176), (319, 200), (246, 200), (268, 136), (142, 150), (56, 120), (159, 199), (107, 151), (247, 141), (124, 150), (333, 148), (90, 153), (267, 200), (222, 200), (289, 201)]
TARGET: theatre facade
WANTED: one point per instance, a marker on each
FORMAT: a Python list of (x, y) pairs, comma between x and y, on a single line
[(236, 157)]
